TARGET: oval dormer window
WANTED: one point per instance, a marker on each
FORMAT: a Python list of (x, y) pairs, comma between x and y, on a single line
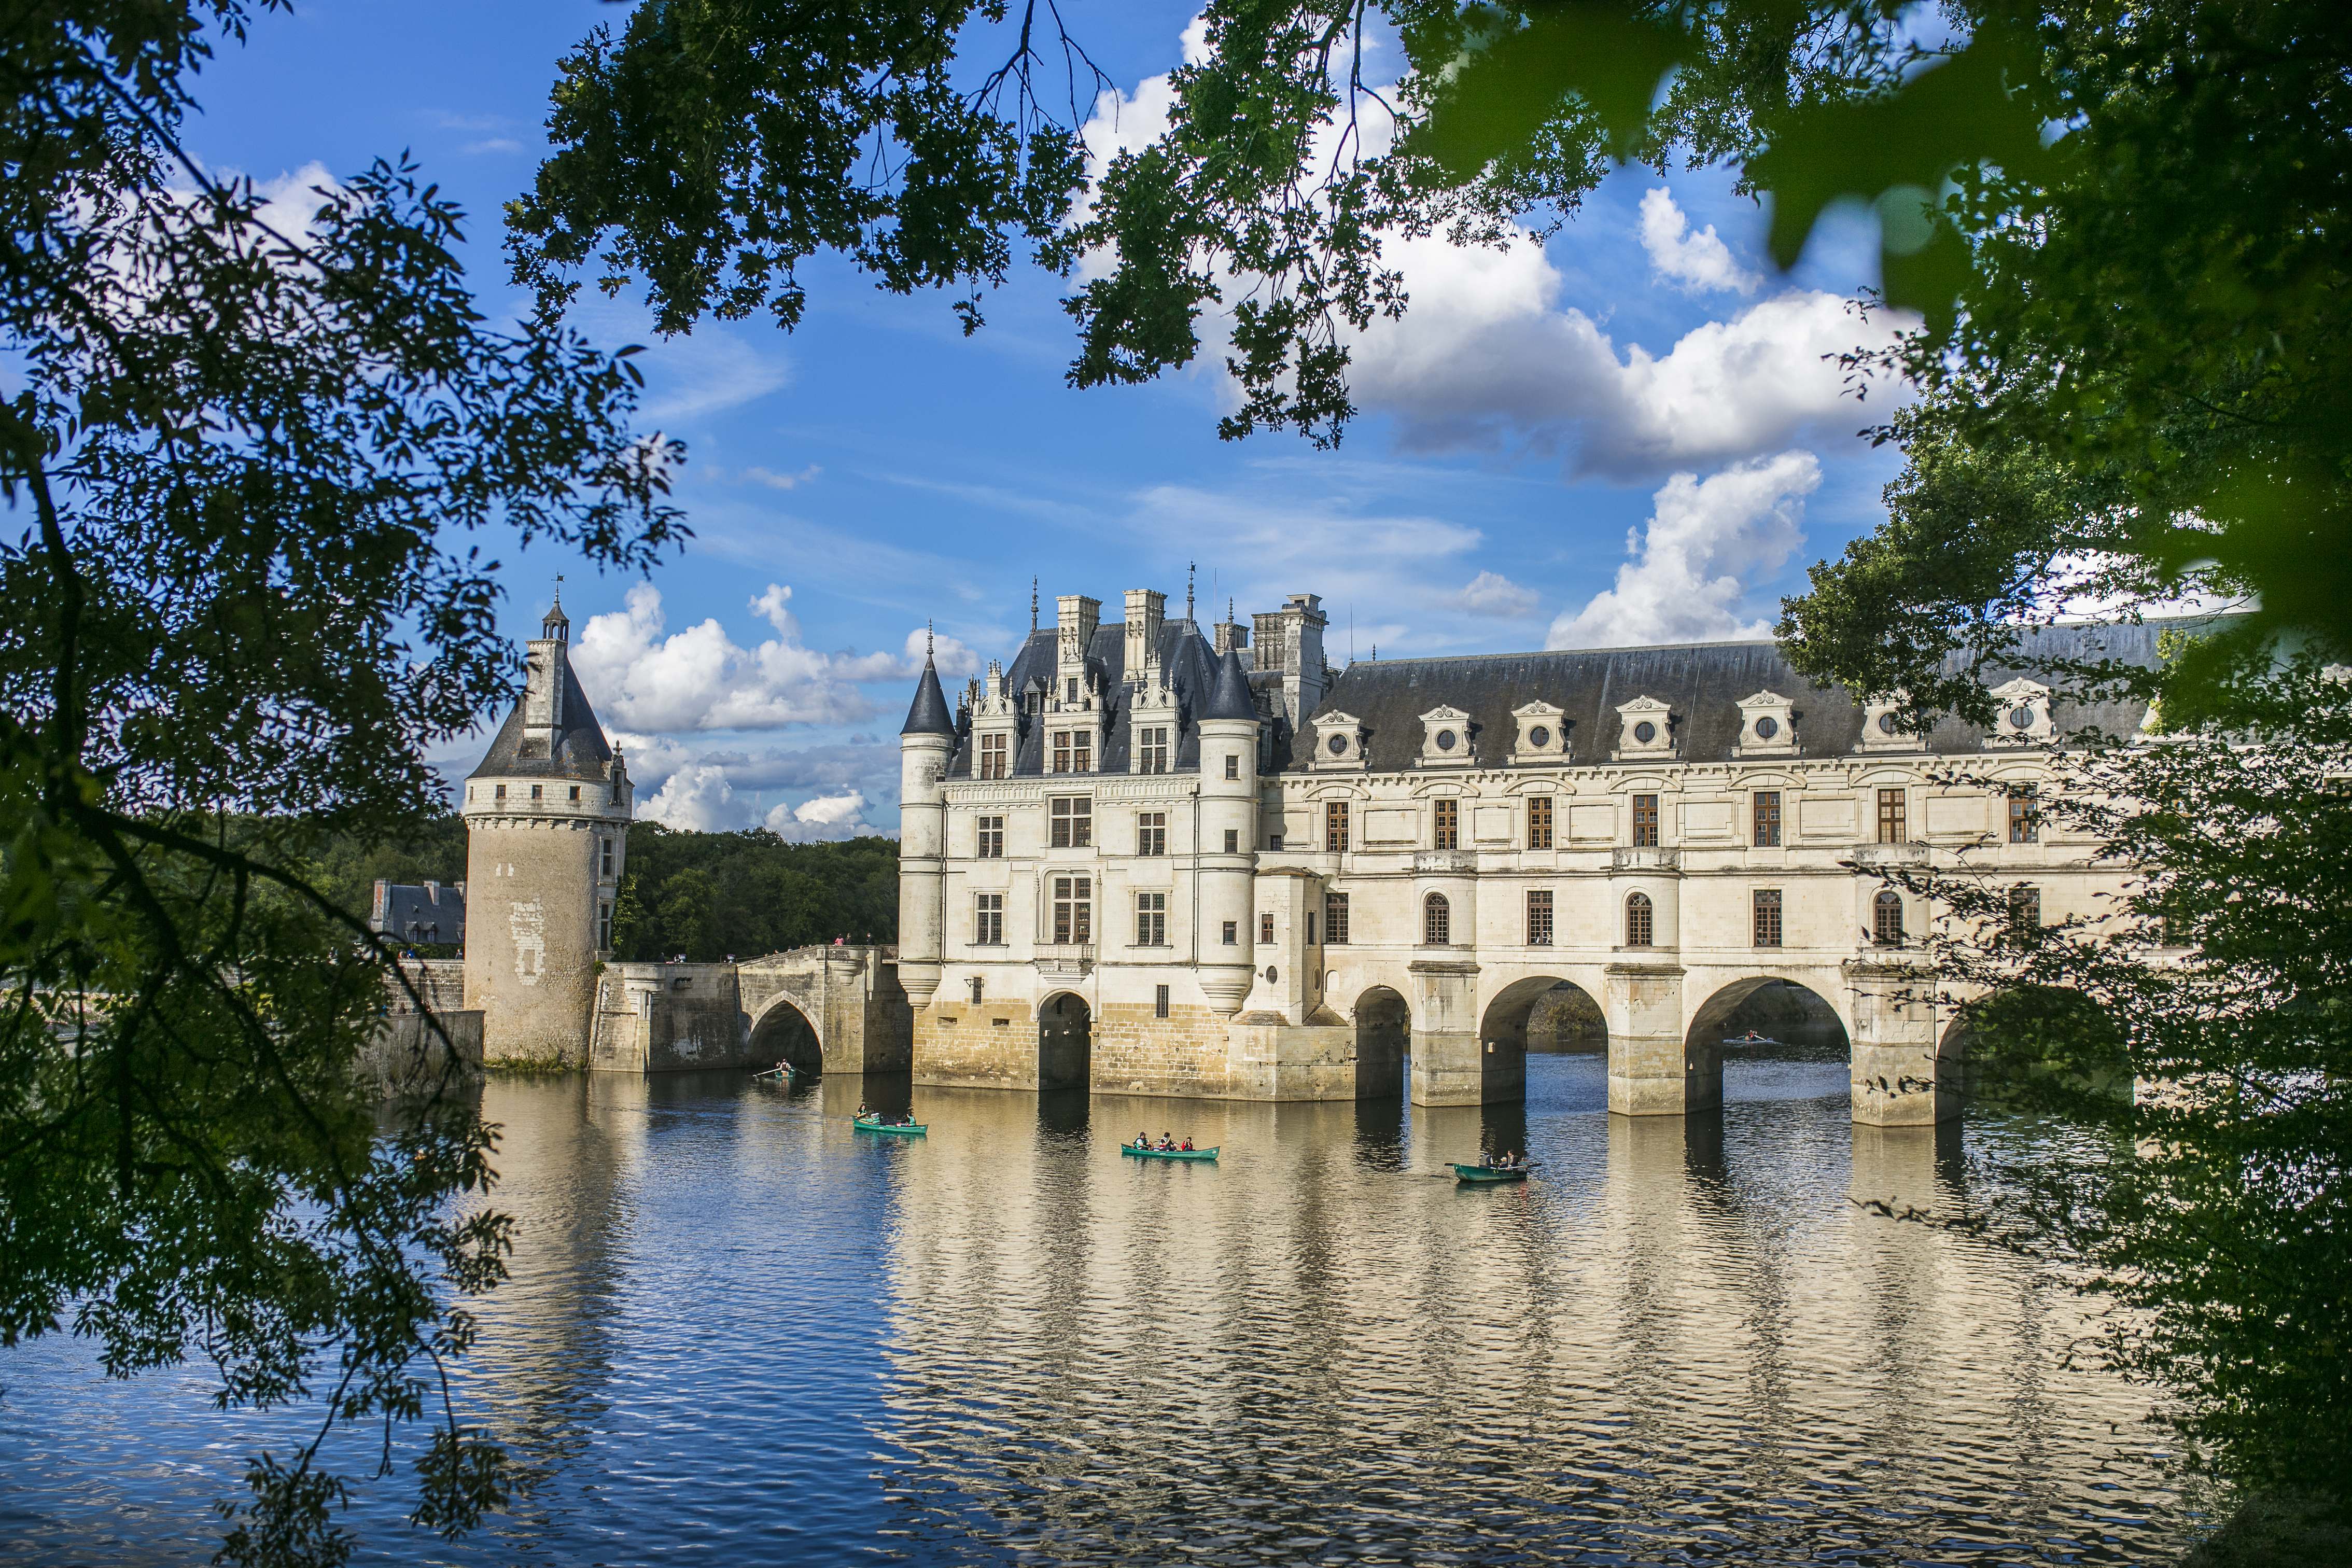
[(2021, 717), (1445, 739), (1540, 736), (1645, 732), (1887, 723), (1338, 745), (1766, 728)]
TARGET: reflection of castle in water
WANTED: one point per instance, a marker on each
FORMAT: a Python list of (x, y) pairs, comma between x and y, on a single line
[(1326, 1337)]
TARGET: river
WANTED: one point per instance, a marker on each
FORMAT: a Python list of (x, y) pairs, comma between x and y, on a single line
[(740, 1332)]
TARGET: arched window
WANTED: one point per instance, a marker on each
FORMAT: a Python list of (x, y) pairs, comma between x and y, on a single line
[(1641, 924), (1887, 917), (1436, 921)]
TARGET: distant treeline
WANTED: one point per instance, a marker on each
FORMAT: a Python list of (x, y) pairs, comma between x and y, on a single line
[(707, 895)]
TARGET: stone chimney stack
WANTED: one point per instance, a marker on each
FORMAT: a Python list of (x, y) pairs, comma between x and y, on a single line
[(1147, 610)]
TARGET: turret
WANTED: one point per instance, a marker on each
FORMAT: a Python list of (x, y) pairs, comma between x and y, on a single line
[(1228, 726), (926, 744), (547, 818)]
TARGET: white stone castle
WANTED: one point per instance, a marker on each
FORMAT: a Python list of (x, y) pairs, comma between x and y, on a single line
[(1143, 861)]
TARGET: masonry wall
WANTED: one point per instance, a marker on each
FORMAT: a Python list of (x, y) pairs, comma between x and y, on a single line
[(531, 937)]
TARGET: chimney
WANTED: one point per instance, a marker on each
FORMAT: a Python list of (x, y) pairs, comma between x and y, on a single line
[(1147, 610)]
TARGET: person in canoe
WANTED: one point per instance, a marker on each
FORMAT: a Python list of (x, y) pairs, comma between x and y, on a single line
[(865, 1113), (1143, 1140), (1188, 1145), (1166, 1142)]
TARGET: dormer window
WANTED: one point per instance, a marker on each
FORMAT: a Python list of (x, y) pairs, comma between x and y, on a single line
[(1338, 742), (1445, 738), (2022, 717), (1882, 730), (1542, 733), (1646, 729), (1768, 726)]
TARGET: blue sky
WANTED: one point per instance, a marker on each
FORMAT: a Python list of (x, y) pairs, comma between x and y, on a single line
[(1626, 435)]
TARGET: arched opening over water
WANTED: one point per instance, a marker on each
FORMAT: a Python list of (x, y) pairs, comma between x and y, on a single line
[(1542, 1013), (1774, 1039), (783, 1034), (1066, 1042), (2020, 1034), (1383, 1036)]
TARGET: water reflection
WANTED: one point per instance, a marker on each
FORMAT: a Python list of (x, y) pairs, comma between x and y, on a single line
[(738, 1326)]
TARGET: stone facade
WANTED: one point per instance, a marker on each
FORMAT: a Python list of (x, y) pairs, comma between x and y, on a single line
[(836, 1009), (1280, 868), (547, 815)]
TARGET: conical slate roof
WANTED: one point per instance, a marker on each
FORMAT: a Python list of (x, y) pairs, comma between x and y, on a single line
[(929, 714), (1230, 698), (576, 751)]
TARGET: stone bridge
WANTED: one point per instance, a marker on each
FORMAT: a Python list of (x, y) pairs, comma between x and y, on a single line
[(826, 1009)]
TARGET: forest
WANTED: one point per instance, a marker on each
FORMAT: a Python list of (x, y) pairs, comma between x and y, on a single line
[(705, 895)]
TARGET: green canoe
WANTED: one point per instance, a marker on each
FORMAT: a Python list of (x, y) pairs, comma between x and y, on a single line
[(1142, 1153), (907, 1129), (1488, 1174)]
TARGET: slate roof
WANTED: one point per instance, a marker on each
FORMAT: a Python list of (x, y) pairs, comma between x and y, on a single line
[(1231, 697), (433, 912), (927, 714), (1186, 658), (1702, 684), (579, 751)]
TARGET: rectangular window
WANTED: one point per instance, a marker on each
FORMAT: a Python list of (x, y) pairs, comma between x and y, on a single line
[(1081, 752), (575, 791), (1768, 819), (536, 791), (1891, 827), (1646, 822), (1310, 931), (2024, 821), (501, 793), (1233, 766), (1767, 917), (1074, 909), (1073, 822), (1152, 921), (977, 990), (1152, 833), (1538, 822), (1273, 841), (1061, 750), (1159, 1001), (1151, 750), (1233, 933), (988, 921), (1233, 840), (1265, 930), (604, 924), (1335, 826), (1335, 919), (991, 838), (1539, 918), (1070, 690), (604, 862), (992, 755), (1447, 825), (2025, 912)]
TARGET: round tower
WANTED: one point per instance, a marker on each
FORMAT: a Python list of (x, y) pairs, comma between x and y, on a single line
[(926, 744), (547, 819), (1228, 847)]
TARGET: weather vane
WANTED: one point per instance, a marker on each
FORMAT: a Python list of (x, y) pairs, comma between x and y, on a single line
[(1190, 567), (1032, 606)]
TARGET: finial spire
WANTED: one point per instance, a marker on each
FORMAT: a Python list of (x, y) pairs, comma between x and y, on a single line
[(1032, 606), (926, 640), (1190, 567)]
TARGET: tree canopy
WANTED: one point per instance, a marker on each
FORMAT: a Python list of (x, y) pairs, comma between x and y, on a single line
[(247, 457)]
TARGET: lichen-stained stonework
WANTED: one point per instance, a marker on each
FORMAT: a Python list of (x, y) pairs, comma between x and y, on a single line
[(1215, 862)]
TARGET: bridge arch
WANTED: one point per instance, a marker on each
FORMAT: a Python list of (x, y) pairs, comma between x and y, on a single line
[(1066, 1040), (1383, 1038), (783, 1033), (1789, 1008), (1548, 1009)]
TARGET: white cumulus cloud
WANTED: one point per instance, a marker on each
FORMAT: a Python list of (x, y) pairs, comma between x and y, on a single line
[(1698, 261), (649, 679), (1492, 593), (696, 796), (825, 817), (1690, 564)]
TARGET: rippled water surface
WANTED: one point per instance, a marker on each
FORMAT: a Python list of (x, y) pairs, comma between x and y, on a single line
[(741, 1331)]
